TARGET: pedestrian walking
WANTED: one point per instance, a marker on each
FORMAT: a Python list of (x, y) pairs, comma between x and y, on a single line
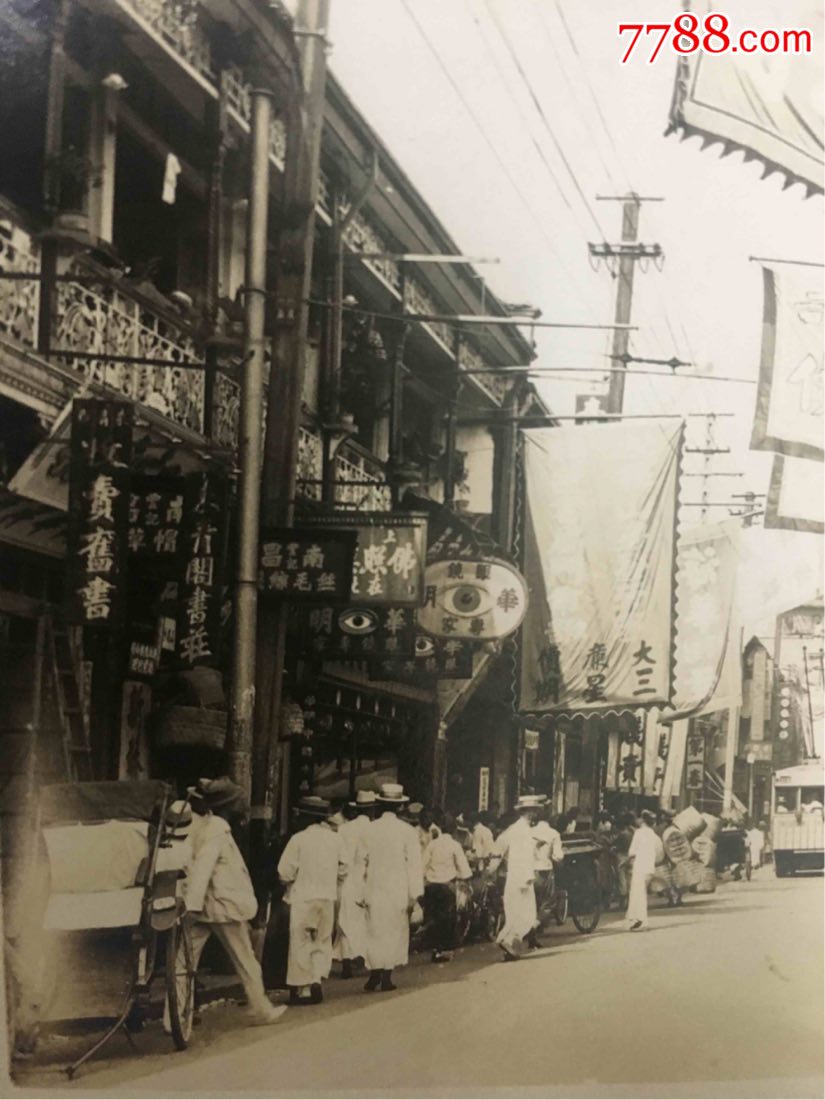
[(393, 884), (643, 854), (219, 896), (518, 847), (351, 925), (482, 841), (549, 853), (444, 865), (312, 866), (755, 840)]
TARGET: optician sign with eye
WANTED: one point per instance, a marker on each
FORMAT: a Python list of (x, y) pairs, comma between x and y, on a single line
[(481, 600)]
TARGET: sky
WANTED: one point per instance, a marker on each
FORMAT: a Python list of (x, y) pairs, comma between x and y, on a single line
[(512, 161)]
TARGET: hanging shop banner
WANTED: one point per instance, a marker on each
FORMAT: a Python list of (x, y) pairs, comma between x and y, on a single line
[(388, 568), (706, 576), (358, 633), (305, 565), (767, 104), (599, 563), (206, 501), (101, 454), (695, 759), (790, 399), (156, 522), (796, 495), (481, 600), (435, 659), (631, 756)]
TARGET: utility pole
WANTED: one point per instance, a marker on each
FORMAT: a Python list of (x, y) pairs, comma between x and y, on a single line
[(291, 273), (621, 260)]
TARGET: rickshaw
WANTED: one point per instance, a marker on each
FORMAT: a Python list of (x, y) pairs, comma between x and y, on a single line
[(580, 881), (113, 855)]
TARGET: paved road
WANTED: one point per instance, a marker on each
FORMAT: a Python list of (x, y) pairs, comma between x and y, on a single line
[(722, 998)]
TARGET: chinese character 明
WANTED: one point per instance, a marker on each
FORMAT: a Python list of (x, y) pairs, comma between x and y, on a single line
[(395, 620), (508, 599), (271, 556), (96, 598), (166, 540), (195, 646), (597, 657), (313, 558), (100, 495), (99, 550), (201, 571), (320, 620)]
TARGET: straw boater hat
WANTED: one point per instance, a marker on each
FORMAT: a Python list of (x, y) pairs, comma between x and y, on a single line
[(392, 792), (530, 802), (364, 800), (314, 806)]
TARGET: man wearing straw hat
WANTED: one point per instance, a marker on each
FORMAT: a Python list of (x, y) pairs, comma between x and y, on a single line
[(518, 846), (219, 895), (351, 925), (393, 884), (312, 866)]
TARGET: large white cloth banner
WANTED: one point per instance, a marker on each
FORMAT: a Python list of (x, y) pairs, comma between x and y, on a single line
[(796, 495), (790, 399), (600, 504)]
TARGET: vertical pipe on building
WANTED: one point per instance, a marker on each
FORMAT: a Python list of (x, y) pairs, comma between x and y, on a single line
[(242, 707)]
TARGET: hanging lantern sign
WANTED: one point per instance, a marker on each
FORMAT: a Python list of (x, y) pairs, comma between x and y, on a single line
[(481, 600)]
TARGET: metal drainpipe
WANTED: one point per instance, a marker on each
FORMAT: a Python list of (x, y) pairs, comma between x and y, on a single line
[(249, 448)]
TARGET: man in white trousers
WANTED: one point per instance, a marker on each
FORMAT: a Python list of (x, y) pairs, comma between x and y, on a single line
[(393, 883), (312, 866), (643, 854), (351, 925), (517, 845)]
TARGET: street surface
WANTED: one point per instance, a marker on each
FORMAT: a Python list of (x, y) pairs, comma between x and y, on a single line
[(721, 998)]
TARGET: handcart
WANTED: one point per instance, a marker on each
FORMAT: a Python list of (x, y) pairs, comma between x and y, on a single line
[(114, 917), (581, 879)]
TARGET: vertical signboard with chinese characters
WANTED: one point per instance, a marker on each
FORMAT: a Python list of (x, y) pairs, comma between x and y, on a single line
[(199, 590), (155, 523), (101, 454), (312, 565), (631, 756), (388, 569), (695, 758)]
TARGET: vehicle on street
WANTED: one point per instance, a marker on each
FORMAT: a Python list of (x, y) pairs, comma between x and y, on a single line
[(796, 825)]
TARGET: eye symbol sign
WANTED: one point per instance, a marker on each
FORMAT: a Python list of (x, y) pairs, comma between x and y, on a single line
[(357, 620), (467, 599), (424, 646)]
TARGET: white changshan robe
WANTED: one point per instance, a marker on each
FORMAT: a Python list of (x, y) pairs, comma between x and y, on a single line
[(517, 845), (351, 927), (393, 881)]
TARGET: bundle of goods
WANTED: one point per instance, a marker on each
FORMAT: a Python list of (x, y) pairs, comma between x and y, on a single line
[(688, 874), (704, 849), (676, 845), (690, 822), (707, 883)]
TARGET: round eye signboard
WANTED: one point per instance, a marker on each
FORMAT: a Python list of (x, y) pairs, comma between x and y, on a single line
[(481, 600)]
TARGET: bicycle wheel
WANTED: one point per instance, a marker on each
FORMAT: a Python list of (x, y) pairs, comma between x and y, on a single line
[(586, 914), (560, 909), (180, 984)]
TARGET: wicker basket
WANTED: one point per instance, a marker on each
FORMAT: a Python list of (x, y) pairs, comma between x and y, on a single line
[(190, 727)]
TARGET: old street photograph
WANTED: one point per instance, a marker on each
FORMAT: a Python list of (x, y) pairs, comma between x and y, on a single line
[(412, 427)]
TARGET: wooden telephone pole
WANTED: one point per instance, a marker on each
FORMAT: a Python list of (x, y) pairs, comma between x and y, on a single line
[(621, 260)]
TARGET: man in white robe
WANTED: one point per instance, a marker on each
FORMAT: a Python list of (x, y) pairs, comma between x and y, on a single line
[(393, 883), (351, 925), (312, 865), (643, 853), (517, 846)]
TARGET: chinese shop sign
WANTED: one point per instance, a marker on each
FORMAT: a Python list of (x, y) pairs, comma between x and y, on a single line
[(156, 521), (695, 759), (388, 568), (307, 565), (101, 453), (199, 589), (479, 600), (435, 659), (359, 633)]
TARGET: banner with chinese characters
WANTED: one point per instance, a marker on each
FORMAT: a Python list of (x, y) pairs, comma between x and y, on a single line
[(767, 104), (695, 758), (307, 565), (631, 755), (790, 399), (155, 522), (482, 600), (600, 511), (388, 568), (435, 659), (358, 633), (101, 454), (206, 509)]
